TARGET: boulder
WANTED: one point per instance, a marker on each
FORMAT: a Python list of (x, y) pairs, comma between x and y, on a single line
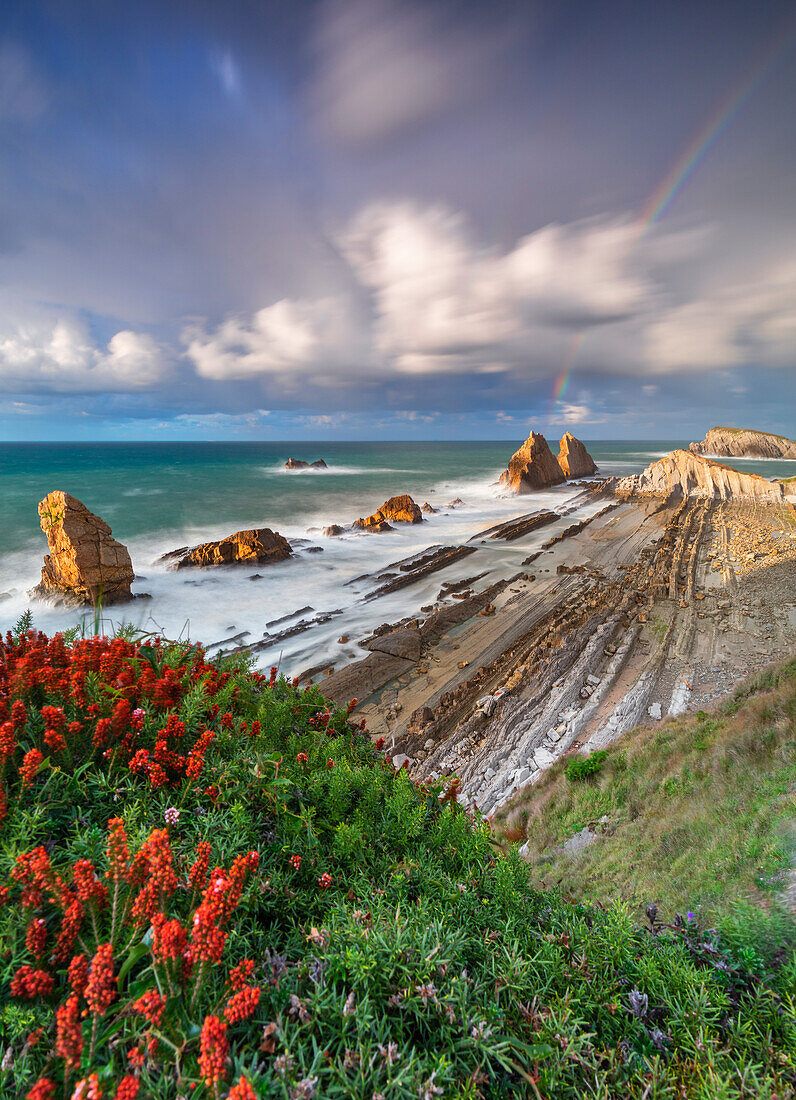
[(429, 509), (333, 530), (745, 443), (262, 545), (85, 564), (574, 459), (404, 642), (400, 509), (300, 464), (532, 467), (686, 474)]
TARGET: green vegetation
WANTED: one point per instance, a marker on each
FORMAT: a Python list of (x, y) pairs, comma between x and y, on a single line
[(701, 809), (583, 767), (359, 936)]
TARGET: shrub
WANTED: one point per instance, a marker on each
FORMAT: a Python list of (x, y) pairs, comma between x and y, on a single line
[(583, 767), (278, 912)]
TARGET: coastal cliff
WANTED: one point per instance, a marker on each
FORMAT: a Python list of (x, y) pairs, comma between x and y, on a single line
[(744, 443), (685, 474), (574, 459)]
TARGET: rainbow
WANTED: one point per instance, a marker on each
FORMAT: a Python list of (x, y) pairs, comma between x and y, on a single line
[(685, 164)]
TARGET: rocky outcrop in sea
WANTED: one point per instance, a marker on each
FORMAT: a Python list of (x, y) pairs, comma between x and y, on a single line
[(398, 509), (745, 443), (261, 546), (86, 565), (532, 467), (574, 459)]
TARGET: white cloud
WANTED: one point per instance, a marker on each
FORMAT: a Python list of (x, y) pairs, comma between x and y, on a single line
[(382, 66), (57, 354), (753, 324), (228, 74)]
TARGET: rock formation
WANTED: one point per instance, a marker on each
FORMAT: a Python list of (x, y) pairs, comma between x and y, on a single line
[(745, 443), (262, 546), (333, 530), (400, 509), (532, 467), (685, 474), (300, 464), (85, 564), (429, 509), (574, 459)]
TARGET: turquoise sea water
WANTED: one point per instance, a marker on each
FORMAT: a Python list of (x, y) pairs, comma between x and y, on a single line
[(157, 497)]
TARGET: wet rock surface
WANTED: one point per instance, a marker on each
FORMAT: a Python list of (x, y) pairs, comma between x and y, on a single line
[(532, 467), (260, 545)]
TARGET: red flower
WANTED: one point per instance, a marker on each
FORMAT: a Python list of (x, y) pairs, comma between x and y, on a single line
[(197, 876), (127, 1089), (54, 740), (302, 758), (69, 1038), (169, 939), (87, 886), (150, 1005), (325, 881), (8, 741), (213, 1050), (36, 937), (330, 763), (136, 1057), (30, 765), (295, 861), (44, 1089), (242, 1091), (101, 988), (29, 983), (243, 1004), (70, 926), (116, 852), (77, 974), (240, 974)]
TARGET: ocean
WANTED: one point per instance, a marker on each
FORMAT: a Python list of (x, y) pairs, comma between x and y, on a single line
[(160, 496)]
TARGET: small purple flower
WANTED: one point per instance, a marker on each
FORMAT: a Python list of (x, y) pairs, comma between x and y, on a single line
[(689, 915), (172, 815)]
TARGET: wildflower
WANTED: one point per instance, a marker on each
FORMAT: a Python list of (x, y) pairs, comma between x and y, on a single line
[(77, 974), (197, 876), (88, 1089), (136, 1058), (101, 988), (213, 1050), (302, 758), (87, 886), (169, 939), (304, 1089), (44, 1089), (30, 765), (172, 815), (689, 915), (295, 862), (36, 937), (255, 732), (117, 853), (29, 983), (240, 974), (212, 793), (330, 763), (150, 1005), (127, 1089), (34, 1038), (242, 1091), (70, 926), (352, 705), (137, 718), (54, 740), (243, 1004), (8, 741), (325, 881), (69, 1038)]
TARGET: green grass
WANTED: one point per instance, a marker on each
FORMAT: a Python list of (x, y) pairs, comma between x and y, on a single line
[(427, 965), (702, 809)]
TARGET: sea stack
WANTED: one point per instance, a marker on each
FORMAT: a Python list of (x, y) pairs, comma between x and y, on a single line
[(745, 443), (300, 464), (399, 509), (685, 474), (261, 546), (574, 459), (85, 564), (532, 467)]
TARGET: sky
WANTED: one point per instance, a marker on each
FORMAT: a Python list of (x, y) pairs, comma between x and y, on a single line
[(386, 219)]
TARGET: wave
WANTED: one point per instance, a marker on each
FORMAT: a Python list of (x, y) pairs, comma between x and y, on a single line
[(338, 470)]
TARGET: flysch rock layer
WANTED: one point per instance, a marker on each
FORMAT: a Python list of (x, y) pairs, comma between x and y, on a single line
[(85, 564), (532, 467), (574, 459), (685, 474), (261, 545), (744, 443)]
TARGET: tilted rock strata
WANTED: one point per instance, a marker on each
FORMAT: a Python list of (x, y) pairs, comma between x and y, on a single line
[(400, 509), (532, 467), (574, 459), (745, 443), (685, 474), (261, 545), (85, 564)]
